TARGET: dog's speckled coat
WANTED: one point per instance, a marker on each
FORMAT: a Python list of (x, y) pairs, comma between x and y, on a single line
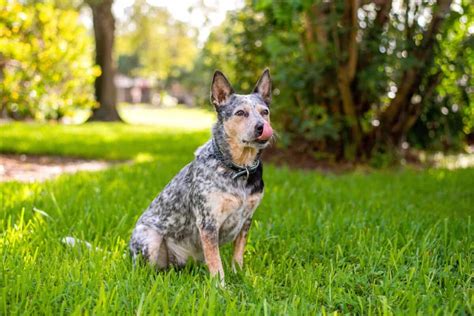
[(203, 206)]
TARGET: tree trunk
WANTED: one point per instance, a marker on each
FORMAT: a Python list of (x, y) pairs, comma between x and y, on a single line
[(105, 91), (346, 72)]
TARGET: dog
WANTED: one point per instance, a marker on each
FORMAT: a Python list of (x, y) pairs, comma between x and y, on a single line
[(211, 201)]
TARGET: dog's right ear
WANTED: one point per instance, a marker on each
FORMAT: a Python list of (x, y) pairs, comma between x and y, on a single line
[(221, 89)]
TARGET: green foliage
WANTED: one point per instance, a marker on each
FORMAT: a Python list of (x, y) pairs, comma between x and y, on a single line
[(127, 64), (235, 47), (448, 113), (46, 68), (350, 244), (154, 45), (307, 46)]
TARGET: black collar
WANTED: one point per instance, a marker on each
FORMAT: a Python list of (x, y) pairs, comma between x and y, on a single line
[(239, 170)]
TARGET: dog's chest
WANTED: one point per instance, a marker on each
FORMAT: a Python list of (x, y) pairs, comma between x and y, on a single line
[(232, 210)]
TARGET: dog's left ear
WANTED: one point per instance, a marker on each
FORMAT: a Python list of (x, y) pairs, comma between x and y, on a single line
[(264, 86), (221, 89)]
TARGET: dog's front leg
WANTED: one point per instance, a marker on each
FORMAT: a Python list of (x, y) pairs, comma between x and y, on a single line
[(239, 246), (210, 246)]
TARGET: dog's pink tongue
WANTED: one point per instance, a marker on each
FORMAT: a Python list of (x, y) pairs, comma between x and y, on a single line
[(267, 132)]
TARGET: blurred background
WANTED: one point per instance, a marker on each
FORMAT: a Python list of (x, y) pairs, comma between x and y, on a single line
[(378, 82)]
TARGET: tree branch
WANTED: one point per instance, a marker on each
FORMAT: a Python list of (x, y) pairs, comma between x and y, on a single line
[(346, 69), (383, 13), (352, 6), (414, 110), (320, 19)]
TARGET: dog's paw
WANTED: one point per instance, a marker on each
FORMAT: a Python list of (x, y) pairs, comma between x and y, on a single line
[(218, 281), (237, 266)]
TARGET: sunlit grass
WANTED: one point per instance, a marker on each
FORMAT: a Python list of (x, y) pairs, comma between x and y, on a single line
[(178, 117), (385, 242), (191, 119), (117, 141)]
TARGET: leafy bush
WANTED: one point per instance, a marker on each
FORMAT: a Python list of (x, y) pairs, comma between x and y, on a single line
[(46, 69)]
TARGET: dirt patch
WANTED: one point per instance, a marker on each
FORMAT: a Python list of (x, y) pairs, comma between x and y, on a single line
[(30, 168)]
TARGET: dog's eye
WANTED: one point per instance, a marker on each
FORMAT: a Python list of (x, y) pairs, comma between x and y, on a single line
[(265, 112), (240, 113)]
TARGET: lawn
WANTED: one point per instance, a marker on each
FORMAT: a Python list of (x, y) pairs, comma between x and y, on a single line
[(396, 241)]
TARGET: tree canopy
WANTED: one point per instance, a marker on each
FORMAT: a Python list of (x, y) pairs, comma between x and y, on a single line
[(357, 79), (45, 67)]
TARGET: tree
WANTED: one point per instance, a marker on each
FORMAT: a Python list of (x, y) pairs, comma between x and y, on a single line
[(401, 113), (354, 76), (154, 45), (447, 114), (104, 32)]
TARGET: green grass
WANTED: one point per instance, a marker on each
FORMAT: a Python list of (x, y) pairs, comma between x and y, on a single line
[(100, 140), (380, 243)]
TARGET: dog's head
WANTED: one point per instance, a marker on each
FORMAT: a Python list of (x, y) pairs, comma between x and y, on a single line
[(245, 118)]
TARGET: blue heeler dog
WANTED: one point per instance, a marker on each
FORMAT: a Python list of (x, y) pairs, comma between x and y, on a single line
[(212, 200)]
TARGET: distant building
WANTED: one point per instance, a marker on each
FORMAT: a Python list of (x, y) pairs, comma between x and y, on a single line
[(133, 90)]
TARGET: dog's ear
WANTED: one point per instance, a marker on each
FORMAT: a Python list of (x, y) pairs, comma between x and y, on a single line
[(221, 89), (264, 86)]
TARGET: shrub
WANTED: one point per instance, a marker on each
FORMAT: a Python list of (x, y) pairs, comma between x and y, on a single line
[(46, 69)]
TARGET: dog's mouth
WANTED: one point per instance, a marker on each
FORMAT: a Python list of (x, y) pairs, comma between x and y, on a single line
[(256, 142), (265, 135)]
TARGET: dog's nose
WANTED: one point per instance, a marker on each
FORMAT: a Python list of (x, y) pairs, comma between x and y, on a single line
[(258, 129)]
